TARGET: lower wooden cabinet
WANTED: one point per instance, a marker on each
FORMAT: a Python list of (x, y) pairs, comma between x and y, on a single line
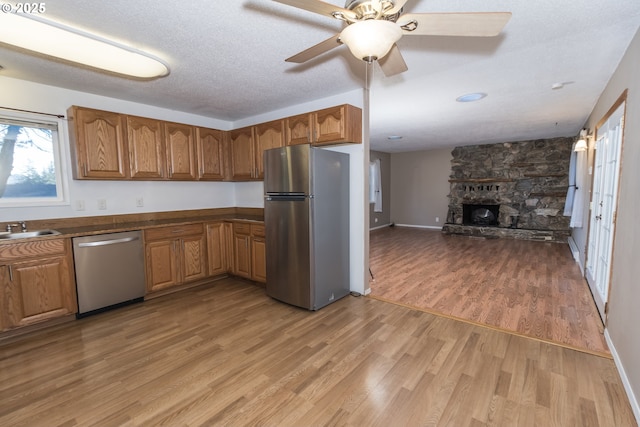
[(175, 255), (258, 254), (37, 281), (249, 251), (217, 252)]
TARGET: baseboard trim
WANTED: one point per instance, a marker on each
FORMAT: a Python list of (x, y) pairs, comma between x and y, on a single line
[(635, 406), (575, 252), (429, 227), (379, 227)]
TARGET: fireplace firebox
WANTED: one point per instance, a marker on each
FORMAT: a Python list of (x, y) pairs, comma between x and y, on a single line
[(481, 215)]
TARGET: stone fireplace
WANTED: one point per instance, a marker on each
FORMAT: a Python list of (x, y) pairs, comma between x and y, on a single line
[(514, 189)]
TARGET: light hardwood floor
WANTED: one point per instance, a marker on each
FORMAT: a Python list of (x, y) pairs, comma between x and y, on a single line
[(530, 288), (228, 355)]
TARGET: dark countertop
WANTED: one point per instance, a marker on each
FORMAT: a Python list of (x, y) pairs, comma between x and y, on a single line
[(89, 230)]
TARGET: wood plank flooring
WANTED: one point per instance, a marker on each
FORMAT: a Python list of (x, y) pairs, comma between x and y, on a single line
[(531, 288), (228, 355)]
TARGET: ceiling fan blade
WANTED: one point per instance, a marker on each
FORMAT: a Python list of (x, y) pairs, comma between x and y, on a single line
[(317, 6), (313, 51), (393, 62), (398, 4), (480, 24)]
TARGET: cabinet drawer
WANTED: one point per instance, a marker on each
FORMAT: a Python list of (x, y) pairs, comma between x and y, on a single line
[(241, 228), (173, 231), (257, 230), (20, 251)]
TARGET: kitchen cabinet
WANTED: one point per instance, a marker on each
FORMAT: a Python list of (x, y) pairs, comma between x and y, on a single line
[(37, 281), (249, 251), (210, 146), (146, 148), (181, 151), (98, 144), (218, 257), (334, 125), (175, 255), (241, 154), (267, 136), (258, 253), (247, 146), (242, 250)]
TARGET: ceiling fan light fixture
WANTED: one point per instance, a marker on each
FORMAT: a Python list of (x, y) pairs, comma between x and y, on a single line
[(370, 39), (53, 39)]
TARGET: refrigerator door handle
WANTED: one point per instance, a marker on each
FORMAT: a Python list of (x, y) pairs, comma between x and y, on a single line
[(283, 198)]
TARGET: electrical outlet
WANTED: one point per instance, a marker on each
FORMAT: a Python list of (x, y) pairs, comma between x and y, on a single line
[(102, 204), (140, 202), (79, 205), (437, 219), (375, 220)]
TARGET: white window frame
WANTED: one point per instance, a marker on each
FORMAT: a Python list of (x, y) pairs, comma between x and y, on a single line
[(59, 159)]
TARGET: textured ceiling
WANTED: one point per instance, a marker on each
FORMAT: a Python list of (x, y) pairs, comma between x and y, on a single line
[(227, 62)]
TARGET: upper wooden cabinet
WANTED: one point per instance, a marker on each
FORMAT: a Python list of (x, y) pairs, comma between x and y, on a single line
[(181, 151), (298, 129), (146, 148), (210, 143), (267, 135), (241, 154), (98, 144), (334, 125)]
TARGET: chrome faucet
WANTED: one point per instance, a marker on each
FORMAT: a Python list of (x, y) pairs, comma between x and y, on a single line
[(21, 224)]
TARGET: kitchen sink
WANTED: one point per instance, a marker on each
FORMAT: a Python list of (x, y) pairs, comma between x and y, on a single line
[(27, 234)]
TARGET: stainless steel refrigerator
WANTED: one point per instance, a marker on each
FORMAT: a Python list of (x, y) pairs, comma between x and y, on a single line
[(307, 225)]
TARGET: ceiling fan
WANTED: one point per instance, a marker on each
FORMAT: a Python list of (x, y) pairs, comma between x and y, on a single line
[(374, 26)]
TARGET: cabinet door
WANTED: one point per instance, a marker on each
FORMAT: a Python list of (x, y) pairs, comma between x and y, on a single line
[(38, 290), (162, 265), (194, 259), (181, 153), (146, 148), (338, 124), (242, 255), (241, 152), (258, 259), (216, 249), (210, 154), (228, 249), (267, 135), (298, 129), (98, 144)]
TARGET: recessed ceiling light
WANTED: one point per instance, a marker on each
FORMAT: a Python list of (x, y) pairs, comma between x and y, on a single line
[(53, 39), (394, 137), (471, 97)]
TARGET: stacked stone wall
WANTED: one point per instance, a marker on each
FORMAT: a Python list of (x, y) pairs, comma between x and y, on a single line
[(527, 179)]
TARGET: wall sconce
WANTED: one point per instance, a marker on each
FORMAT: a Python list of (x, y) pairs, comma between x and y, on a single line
[(581, 145)]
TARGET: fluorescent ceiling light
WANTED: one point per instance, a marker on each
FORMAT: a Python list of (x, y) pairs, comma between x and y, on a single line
[(50, 38)]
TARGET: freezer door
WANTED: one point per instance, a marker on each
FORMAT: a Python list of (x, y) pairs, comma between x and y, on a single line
[(288, 257), (286, 170)]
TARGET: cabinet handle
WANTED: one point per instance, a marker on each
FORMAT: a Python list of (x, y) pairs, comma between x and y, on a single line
[(10, 274), (84, 169)]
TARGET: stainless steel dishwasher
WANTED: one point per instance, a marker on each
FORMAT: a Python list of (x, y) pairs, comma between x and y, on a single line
[(109, 271)]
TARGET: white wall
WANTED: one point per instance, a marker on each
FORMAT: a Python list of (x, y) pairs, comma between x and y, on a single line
[(624, 295), (120, 195)]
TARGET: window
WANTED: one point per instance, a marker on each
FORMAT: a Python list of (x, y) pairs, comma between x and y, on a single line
[(30, 162)]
